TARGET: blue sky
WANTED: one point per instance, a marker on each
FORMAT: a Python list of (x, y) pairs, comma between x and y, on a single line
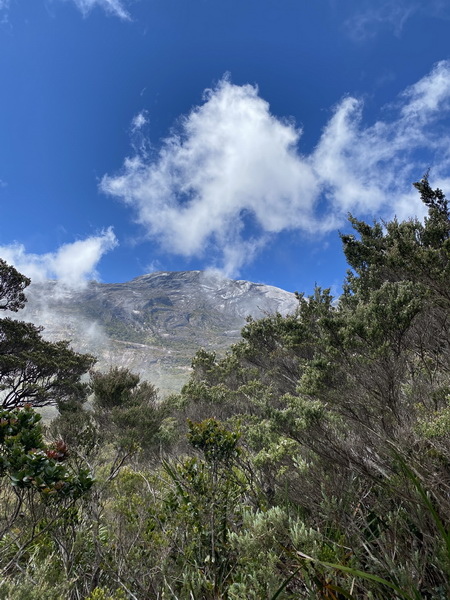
[(236, 135)]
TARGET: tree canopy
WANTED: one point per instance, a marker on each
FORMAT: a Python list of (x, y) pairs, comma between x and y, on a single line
[(12, 284), (33, 370)]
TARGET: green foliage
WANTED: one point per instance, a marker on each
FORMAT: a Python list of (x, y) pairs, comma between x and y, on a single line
[(263, 543), (217, 444), (33, 370), (311, 461), (102, 594), (29, 463), (113, 389), (38, 481), (29, 590), (333, 392), (435, 424), (126, 410), (12, 284)]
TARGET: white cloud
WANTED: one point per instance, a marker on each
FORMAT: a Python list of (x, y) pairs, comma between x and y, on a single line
[(370, 17), (232, 162), (366, 22), (72, 264), (139, 140), (231, 157), (113, 7), (139, 121), (428, 96)]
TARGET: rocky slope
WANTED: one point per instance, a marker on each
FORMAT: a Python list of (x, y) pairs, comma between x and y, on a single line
[(153, 324)]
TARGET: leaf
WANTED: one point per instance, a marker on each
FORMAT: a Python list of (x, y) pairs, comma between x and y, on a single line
[(357, 573), (284, 584)]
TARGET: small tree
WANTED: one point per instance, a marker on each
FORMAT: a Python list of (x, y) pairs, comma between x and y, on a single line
[(33, 370), (126, 410), (12, 284), (35, 476)]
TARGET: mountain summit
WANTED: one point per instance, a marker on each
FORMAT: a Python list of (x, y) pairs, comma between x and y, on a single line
[(155, 323)]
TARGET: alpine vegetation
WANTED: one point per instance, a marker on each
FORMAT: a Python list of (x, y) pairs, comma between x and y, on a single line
[(310, 461)]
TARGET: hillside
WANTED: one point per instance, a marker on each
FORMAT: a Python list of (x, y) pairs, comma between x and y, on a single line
[(155, 323)]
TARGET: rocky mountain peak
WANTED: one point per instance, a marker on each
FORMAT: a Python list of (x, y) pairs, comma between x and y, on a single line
[(154, 323)]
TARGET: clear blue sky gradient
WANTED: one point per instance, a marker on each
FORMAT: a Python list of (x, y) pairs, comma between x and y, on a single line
[(75, 73)]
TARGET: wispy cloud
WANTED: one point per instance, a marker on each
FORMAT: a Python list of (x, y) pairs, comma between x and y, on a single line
[(138, 131), (367, 21), (4, 11), (116, 8), (370, 17), (113, 7), (234, 174), (72, 264), (139, 121)]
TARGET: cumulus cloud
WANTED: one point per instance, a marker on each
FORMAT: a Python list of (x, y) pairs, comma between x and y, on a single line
[(72, 264), (232, 158), (233, 175)]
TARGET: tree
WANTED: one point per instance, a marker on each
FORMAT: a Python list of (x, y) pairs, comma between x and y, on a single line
[(39, 486), (12, 284), (334, 400), (33, 370), (126, 410)]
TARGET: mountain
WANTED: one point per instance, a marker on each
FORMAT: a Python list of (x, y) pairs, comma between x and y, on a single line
[(155, 323)]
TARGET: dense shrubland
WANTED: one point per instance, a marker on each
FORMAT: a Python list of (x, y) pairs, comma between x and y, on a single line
[(312, 461)]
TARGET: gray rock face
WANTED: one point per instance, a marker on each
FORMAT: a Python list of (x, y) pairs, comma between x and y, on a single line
[(153, 324)]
